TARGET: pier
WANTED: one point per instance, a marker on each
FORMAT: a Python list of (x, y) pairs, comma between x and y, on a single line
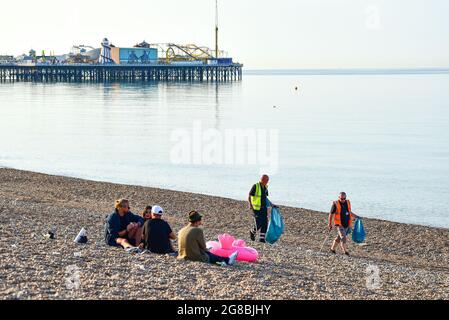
[(116, 73)]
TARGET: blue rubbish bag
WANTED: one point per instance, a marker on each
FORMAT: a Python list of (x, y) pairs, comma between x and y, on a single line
[(275, 227), (358, 234)]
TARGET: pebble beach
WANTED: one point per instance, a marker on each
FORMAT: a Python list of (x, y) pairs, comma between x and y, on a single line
[(397, 261)]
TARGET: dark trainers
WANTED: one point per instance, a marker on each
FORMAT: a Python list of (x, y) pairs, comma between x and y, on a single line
[(333, 251), (252, 236), (262, 241), (347, 253)]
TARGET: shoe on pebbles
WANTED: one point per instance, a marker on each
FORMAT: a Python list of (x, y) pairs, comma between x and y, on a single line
[(133, 250), (232, 258)]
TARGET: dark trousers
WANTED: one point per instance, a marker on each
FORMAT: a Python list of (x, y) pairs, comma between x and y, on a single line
[(213, 258), (260, 223)]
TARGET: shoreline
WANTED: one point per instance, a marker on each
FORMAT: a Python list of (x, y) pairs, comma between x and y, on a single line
[(208, 195), (413, 260)]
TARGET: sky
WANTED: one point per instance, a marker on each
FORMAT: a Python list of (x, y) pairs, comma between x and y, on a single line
[(286, 34)]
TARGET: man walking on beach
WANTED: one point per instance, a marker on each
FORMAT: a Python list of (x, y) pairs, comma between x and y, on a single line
[(192, 246), (341, 216), (124, 228), (258, 203)]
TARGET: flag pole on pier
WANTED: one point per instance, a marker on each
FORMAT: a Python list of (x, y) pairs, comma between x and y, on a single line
[(216, 29)]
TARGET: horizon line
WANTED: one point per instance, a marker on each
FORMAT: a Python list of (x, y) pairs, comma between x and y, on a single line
[(344, 70)]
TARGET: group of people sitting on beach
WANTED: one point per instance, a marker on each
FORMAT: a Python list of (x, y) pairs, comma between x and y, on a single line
[(150, 233)]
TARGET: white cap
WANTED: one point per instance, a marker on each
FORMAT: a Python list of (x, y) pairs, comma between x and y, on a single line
[(157, 210)]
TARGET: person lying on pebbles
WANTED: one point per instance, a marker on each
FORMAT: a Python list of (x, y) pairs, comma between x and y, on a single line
[(157, 233), (192, 246), (341, 216), (124, 228)]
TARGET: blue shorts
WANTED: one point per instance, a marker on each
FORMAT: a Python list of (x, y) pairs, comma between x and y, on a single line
[(342, 233)]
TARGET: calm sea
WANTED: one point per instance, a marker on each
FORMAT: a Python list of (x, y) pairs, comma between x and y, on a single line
[(382, 138)]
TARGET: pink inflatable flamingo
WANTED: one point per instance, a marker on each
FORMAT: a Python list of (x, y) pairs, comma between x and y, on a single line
[(227, 245)]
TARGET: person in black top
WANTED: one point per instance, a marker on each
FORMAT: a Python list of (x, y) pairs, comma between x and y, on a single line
[(124, 228), (341, 216), (259, 203), (157, 233)]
